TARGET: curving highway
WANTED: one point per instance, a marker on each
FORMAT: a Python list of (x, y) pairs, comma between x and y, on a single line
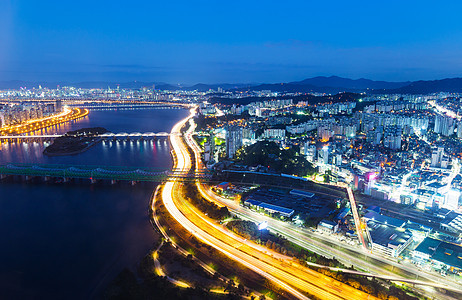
[(280, 270)]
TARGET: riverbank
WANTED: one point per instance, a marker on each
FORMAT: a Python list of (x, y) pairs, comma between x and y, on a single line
[(93, 143), (82, 235), (43, 123)]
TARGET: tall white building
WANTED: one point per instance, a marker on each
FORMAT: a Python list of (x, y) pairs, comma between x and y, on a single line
[(325, 132), (233, 140), (444, 125), (452, 199), (2, 119), (392, 137), (323, 155), (437, 157), (273, 133), (459, 129)]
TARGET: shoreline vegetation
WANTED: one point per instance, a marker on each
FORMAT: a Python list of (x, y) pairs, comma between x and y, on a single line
[(75, 142)]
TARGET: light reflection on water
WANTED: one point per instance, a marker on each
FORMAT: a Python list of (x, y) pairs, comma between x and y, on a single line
[(66, 241)]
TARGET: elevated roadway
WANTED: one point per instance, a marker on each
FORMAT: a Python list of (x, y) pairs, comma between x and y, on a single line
[(94, 173), (108, 135)]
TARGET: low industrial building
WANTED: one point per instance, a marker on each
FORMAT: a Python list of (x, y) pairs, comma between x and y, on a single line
[(342, 213), (283, 211), (419, 232), (388, 240), (378, 218), (302, 193), (452, 222), (327, 226), (440, 254), (223, 186)]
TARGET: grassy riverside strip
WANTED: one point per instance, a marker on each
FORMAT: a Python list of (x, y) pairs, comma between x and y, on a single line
[(146, 285), (209, 208)]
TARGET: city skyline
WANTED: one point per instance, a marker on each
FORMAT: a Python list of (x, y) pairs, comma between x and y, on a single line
[(204, 42), (230, 150), (256, 175)]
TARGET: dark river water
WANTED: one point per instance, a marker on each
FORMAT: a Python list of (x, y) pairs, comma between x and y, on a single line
[(68, 240)]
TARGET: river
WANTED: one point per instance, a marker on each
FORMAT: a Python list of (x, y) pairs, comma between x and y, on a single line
[(67, 241)]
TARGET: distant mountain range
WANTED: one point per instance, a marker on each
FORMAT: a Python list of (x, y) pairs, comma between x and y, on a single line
[(320, 84), (17, 84), (335, 84)]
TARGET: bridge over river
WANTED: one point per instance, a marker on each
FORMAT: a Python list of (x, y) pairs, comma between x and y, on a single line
[(104, 136), (95, 173)]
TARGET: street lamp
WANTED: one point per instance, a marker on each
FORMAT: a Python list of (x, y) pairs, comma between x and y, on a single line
[(261, 227)]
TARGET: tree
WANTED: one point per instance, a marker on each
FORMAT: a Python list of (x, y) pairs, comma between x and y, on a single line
[(269, 154), (382, 295)]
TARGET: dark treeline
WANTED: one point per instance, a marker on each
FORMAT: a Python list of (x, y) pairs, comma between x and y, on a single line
[(268, 154), (341, 97), (148, 286), (211, 209)]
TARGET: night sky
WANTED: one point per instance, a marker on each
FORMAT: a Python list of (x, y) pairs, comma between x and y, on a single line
[(228, 41)]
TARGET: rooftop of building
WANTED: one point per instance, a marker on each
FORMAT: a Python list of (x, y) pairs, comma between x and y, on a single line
[(453, 220), (444, 252), (302, 193), (272, 207), (436, 185), (417, 227), (327, 222), (388, 236), (375, 208), (374, 216)]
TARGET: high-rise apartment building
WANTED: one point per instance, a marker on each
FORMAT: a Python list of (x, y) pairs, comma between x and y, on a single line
[(233, 140)]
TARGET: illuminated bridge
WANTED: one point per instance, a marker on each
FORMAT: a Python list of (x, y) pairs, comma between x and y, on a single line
[(110, 135), (128, 106), (95, 173), (105, 136)]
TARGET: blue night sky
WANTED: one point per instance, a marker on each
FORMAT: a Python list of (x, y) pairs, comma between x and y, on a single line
[(228, 41)]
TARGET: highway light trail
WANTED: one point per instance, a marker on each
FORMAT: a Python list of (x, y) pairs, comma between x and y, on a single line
[(289, 275), (167, 192)]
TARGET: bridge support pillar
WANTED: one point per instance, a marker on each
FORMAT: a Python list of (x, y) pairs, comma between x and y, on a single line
[(133, 182), (113, 181)]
